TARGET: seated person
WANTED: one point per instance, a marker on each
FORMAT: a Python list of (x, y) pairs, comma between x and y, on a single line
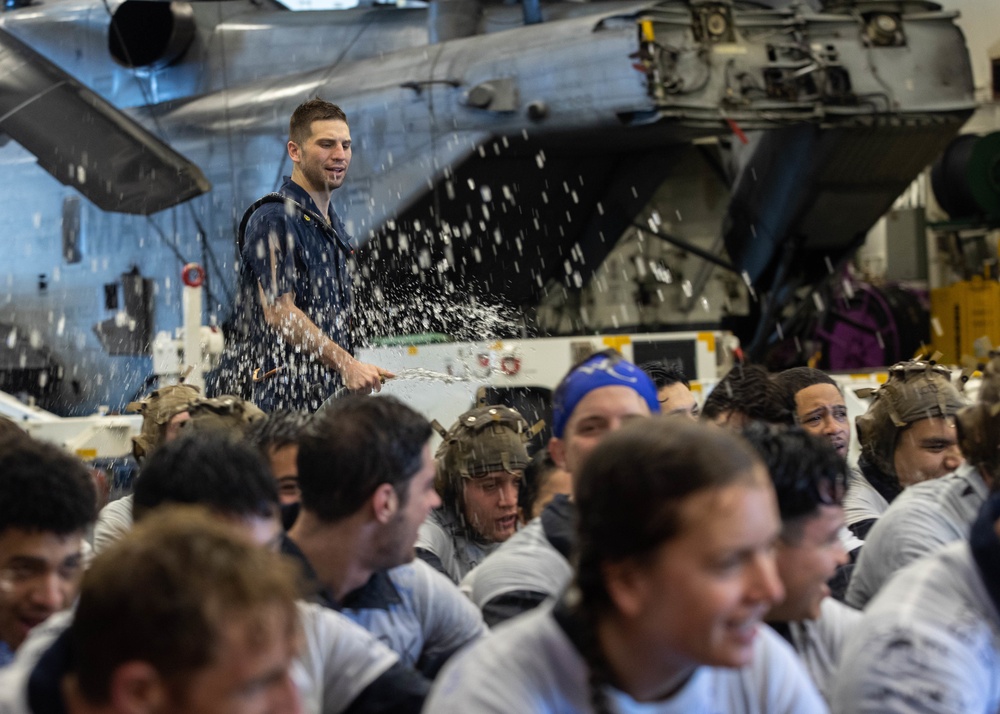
[(930, 640), (367, 478), (906, 436), (47, 501), (341, 667), (817, 404), (930, 514), (276, 437), (167, 413), (182, 615), (672, 389), (596, 398), (744, 395), (543, 481), (809, 479), (480, 464), (675, 568)]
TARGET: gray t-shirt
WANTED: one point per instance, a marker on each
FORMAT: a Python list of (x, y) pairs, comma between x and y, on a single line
[(444, 538), (424, 622), (922, 519), (527, 562), (531, 666), (929, 643)]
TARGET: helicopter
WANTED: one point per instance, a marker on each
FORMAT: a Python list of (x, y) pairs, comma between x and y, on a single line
[(500, 149)]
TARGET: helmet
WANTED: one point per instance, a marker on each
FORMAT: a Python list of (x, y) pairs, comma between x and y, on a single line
[(482, 440), (226, 413), (915, 390), (157, 410)]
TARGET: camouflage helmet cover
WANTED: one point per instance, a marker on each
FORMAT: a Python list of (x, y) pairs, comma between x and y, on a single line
[(157, 410), (481, 441), (915, 390)]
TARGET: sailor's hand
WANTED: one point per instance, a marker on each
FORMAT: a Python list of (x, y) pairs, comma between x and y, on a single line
[(364, 378)]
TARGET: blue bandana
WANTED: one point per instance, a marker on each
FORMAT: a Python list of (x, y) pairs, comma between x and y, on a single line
[(599, 371)]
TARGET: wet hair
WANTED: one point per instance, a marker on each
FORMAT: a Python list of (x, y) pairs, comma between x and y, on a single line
[(794, 380), (664, 374), (630, 495), (535, 476), (210, 470), (354, 446), (300, 125), (164, 594), (10, 430), (277, 430), (43, 489), (749, 390), (806, 471)]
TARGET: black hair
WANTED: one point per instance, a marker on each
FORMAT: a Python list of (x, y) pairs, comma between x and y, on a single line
[(277, 430), (629, 495), (535, 475), (806, 471), (354, 446), (43, 489), (665, 374), (794, 380), (748, 389), (208, 469)]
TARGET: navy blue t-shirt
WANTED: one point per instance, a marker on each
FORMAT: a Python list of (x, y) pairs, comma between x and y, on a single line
[(285, 251)]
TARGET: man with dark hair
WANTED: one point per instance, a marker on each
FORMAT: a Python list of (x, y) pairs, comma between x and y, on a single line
[(341, 668), (183, 615), (928, 515), (908, 435), (672, 388), (295, 279), (745, 394), (809, 480), (367, 478), (47, 500), (480, 465), (818, 405), (543, 481), (595, 398), (276, 437)]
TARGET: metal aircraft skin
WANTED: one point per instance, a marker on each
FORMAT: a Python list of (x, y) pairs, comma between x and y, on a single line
[(506, 157)]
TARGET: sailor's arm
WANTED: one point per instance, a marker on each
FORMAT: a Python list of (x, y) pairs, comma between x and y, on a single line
[(297, 329)]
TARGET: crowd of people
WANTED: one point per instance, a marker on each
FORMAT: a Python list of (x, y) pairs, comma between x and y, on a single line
[(283, 550), (656, 556)]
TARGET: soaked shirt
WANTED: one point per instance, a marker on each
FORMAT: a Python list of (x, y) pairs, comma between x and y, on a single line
[(286, 251), (929, 643), (923, 518)]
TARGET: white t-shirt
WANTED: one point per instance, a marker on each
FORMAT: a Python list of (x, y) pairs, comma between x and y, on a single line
[(113, 522), (862, 502), (530, 666), (923, 518), (819, 643), (928, 643), (338, 661)]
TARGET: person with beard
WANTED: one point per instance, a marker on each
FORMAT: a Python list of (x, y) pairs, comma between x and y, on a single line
[(906, 436), (480, 467), (366, 476), (294, 332)]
